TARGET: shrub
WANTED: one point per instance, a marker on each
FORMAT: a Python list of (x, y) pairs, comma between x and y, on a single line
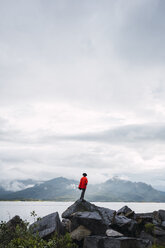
[(61, 241), (149, 228), (158, 246), (21, 237)]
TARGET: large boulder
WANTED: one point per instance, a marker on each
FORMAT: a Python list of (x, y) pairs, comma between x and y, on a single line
[(91, 220), (47, 225), (78, 206), (95, 218), (80, 233), (124, 210), (146, 235), (12, 225), (156, 237), (143, 218), (163, 224), (161, 214), (156, 217), (125, 225), (85, 206), (15, 221), (108, 215), (122, 242), (158, 231)]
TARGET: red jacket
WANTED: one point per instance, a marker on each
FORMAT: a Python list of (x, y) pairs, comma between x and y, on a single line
[(83, 183)]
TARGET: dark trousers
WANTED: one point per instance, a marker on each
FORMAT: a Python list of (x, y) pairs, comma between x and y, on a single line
[(82, 193)]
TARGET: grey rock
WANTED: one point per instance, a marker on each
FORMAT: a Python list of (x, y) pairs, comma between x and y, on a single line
[(156, 217), (144, 218), (124, 210), (122, 242), (125, 225), (16, 220), (147, 214), (155, 222), (113, 233), (161, 214), (148, 236), (47, 225), (87, 215), (78, 206), (163, 224), (85, 206), (122, 221), (158, 231), (66, 225), (158, 240), (97, 219), (91, 220), (127, 242), (130, 215), (108, 215), (80, 233), (93, 242)]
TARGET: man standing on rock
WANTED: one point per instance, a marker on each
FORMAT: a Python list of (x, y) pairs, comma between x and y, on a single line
[(83, 185)]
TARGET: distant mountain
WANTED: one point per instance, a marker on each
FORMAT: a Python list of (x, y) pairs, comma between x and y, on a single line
[(17, 185), (63, 189), (121, 190), (58, 189), (4, 192)]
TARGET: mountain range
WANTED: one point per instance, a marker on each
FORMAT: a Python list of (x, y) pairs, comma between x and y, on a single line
[(63, 189)]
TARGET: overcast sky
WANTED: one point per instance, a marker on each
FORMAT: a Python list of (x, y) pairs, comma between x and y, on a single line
[(82, 89)]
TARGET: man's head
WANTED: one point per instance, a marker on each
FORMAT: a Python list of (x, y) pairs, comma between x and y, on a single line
[(84, 174)]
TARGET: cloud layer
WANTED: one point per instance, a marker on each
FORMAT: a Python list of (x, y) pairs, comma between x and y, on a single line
[(82, 89)]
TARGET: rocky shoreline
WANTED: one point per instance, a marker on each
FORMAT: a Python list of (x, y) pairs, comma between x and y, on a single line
[(91, 226)]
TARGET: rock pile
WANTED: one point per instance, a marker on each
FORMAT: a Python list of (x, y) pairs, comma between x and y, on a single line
[(91, 226)]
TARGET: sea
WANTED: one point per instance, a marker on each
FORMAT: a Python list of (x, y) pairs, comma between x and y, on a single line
[(24, 209)]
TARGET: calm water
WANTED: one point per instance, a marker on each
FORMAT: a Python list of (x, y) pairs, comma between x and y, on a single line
[(23, 209)]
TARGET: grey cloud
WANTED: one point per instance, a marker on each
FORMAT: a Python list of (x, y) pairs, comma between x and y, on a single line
[(6, 132), (140, 38), (44, 164), (10, 134), (69, 51), (122, 134), (99, 55)]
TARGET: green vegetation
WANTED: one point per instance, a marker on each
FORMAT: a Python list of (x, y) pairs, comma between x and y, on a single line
[(20, 236), (158, 246), (149, 227)]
